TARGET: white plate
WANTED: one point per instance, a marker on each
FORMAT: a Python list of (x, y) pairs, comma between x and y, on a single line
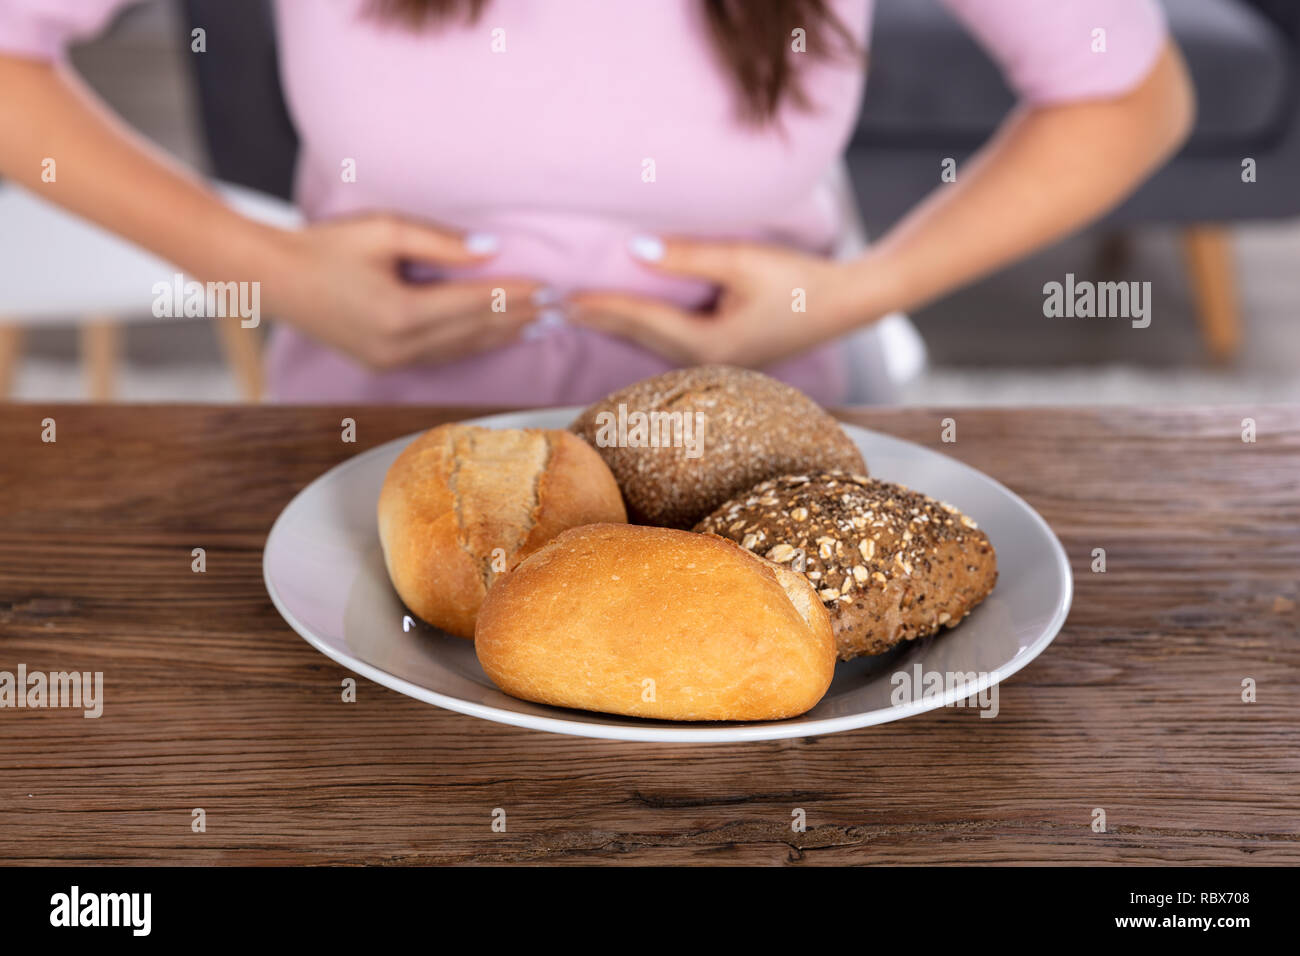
[(325, 573)]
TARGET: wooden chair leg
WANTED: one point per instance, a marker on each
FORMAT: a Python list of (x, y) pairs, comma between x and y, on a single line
[(101, 344), (1208, 250), (243, 350), (11, 347)]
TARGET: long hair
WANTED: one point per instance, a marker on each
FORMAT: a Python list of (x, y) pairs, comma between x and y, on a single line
[(755, 40)]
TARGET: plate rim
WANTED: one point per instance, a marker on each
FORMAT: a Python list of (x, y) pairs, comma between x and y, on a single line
[(723, 732)]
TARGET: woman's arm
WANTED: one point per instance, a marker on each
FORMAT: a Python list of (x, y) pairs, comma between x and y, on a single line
[(338, 281), (105, 173), (1047, 172)]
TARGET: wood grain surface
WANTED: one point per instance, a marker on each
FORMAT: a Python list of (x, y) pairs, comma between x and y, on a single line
[(213, 702)]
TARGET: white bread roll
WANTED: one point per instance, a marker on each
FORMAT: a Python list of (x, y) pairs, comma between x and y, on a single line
[(462, 505), (655, 622)]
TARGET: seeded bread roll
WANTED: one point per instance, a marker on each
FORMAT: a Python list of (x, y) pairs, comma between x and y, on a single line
[(754, 427), (890, 564), (653, 622), (462, 505)]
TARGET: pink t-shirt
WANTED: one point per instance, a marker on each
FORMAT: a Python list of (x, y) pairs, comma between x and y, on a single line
[(545, 144)]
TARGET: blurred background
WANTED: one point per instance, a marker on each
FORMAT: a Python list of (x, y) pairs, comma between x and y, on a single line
[(1222, 254)]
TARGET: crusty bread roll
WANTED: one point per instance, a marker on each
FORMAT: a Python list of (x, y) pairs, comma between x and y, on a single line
[(890, 564), (754, 427), (462, 505), (653, 622)]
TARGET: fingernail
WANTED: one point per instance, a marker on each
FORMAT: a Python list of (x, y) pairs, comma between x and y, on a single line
[(547, 321), (647, 248), (481, 243), (545, 296)]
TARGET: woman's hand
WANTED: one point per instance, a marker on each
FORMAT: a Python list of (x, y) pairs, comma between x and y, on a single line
[(1030, 185), (340, 281), (774, 302)]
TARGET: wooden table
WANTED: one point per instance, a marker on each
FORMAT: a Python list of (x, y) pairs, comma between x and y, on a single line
[(213, 702)]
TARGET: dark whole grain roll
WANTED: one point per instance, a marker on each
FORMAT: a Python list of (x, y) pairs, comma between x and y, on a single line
[(889, 564), (674, 472)]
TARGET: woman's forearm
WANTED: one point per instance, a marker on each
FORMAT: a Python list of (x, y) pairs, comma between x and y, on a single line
[(1048, 172), (337, 282), (105, 173)]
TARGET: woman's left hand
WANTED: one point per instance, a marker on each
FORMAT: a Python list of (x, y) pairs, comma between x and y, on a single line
[(774, 302)]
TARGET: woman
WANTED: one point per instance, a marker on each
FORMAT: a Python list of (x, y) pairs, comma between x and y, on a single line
[(525, 203)]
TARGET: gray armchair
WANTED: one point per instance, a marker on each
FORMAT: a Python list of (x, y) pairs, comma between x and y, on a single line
[(933, 94)]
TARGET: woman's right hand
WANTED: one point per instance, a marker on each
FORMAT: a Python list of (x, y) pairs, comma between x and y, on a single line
[(337, 281), (340, 281)]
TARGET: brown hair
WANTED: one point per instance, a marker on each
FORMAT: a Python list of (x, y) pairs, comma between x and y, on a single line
[(753, 38)]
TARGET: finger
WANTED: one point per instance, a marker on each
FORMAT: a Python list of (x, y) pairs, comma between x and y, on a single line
[(508, 298), (470, 334), (630, 307), (662, 328), (402, 238), (478, 323), (718, 261)]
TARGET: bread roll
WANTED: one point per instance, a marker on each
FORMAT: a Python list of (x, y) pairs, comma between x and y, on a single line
[(652, 622), (462, 504), (718, 431), (890, 564)]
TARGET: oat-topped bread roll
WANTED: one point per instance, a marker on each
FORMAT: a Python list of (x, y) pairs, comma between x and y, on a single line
[(461, 505), (683, 442), (890, 564), (653, 622)]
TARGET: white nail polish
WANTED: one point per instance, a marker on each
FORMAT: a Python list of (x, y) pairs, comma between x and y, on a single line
[(547, 321), (482, 243), (647, 248)]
